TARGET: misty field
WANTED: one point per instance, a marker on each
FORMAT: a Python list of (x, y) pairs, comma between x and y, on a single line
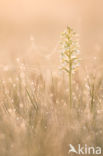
[(51, 83), (38, 114)]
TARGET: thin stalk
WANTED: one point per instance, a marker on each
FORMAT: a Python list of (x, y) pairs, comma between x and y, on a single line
[(70, 82), (70, 89), (92, 98)]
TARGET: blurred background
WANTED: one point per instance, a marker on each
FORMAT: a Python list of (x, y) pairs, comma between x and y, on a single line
[(30, 29)]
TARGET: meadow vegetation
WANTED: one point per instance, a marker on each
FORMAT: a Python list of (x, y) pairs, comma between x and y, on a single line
[(41, 112)]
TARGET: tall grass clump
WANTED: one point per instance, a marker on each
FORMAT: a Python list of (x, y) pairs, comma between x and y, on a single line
[(69, 55)]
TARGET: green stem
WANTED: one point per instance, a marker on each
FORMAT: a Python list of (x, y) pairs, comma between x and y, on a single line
[(70, 82), (70, 89)]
